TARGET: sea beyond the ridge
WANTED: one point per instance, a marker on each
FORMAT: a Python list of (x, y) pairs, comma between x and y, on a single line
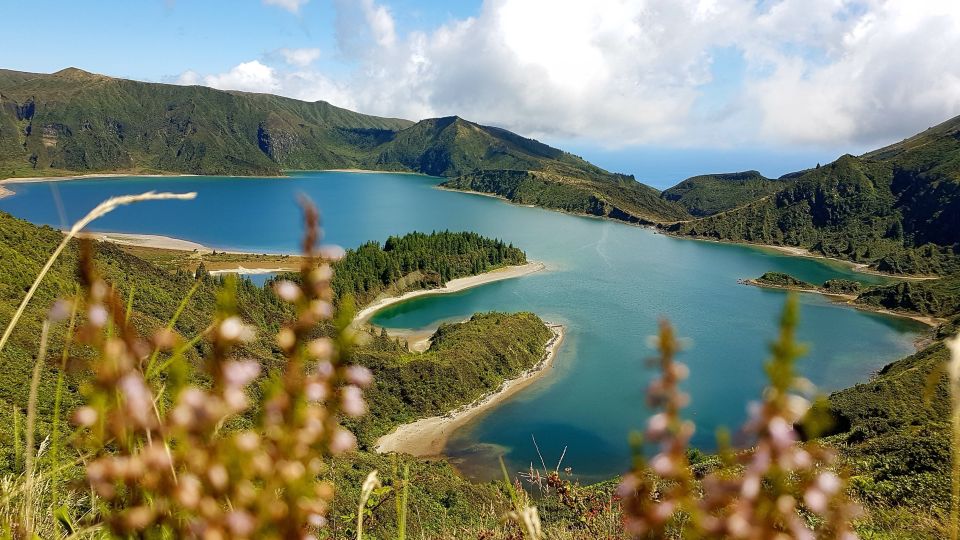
[(608, 283)]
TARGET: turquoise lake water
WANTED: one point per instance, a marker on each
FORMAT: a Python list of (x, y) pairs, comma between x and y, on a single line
[(608, 282)]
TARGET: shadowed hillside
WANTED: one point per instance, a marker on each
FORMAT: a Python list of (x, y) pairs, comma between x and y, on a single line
[(713, 193), (897, 208)]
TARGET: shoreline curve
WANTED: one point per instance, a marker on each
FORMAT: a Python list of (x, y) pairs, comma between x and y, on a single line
[(452, 286), (428, 437)]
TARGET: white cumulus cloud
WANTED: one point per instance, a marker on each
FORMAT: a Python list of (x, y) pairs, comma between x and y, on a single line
[(300, 57), (293, 6), (669, 72), (252, 76)]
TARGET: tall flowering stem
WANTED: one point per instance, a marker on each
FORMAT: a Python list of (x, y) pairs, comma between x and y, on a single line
[(764, 492), (656, 491), (954, 374), (187, 471)]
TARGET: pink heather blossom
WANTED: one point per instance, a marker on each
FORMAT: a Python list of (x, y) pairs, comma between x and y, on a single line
[(287, 290), (138, 398), (85, 416), (97, 315), (343, 441), (662, 465), (797, 406), (332, 253), (236, 399), (325, 369), (657, 424), (628, 485), (786, 504), (352, 401), (316, 391), (240, 373), (321, 309), (323, 273), (233, 329), (60, 311), (320, 348), (247, 441), (286, 338), (188, 491), (663, 511), (802, 459), (829, 482), (751, 486), (359, 376), (680, 370), (816, 500), (780, 432), (218, 476), (240, 523)]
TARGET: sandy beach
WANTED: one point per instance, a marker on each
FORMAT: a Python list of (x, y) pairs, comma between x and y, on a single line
[(240, 269), (34, 179), (427, 437), (155, 241), (454, 285), (365, 171), (4, 192)]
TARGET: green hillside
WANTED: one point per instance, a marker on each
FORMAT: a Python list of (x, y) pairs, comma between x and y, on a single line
[(74, 122), (897, 208), (894, 435), (710, 194), (936, 297), (621, 198), (453, 146)]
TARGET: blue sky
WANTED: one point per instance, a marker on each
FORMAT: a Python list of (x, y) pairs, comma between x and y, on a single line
[(662, 89)]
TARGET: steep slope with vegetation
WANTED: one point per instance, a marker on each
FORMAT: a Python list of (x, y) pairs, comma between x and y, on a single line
[(620, 197), (78, 122), (894, 433), (934, 297), (156, 295), (710, 194), (465, 361), (937, 297), (897, 208), (452, 146)]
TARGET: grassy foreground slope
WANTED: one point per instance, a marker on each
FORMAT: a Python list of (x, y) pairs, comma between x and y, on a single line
[(897, 208), (24, 249), (407, 386), (894, 436)]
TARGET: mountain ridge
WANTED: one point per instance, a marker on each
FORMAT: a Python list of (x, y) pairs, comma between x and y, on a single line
[(76, 122), (896, 208)]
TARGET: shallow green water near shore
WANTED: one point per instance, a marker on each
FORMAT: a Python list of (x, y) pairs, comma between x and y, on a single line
[(608, 282)]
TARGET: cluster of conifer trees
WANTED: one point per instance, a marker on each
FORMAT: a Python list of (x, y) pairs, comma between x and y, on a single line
[(419, 260)]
